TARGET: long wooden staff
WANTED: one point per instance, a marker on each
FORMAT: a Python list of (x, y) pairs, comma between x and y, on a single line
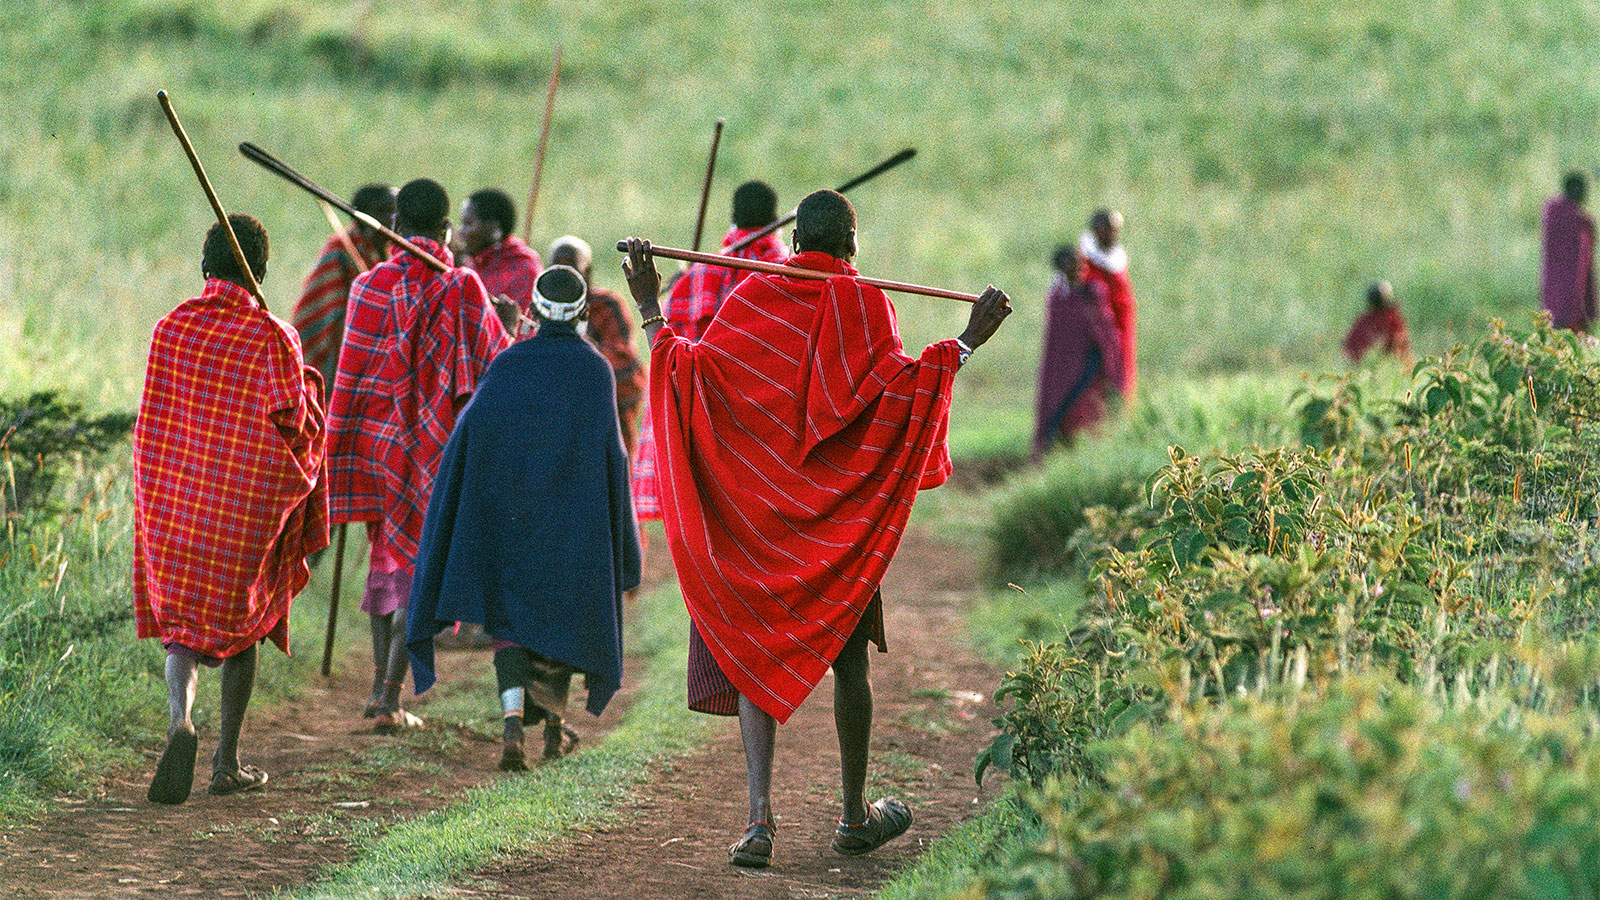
[(544, 141), (705, 189), (205, 183), (344, 239), (338, 551), (864, 177), (753, 265), (278, 167)]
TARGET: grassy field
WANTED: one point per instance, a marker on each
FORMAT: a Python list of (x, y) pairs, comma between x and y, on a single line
[(1271, 158)]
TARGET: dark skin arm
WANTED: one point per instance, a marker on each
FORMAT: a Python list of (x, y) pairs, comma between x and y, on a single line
[(644, 282)]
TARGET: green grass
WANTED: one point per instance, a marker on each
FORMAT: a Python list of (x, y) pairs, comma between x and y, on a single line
[(1271, 158), (953, 863), (515, 814)]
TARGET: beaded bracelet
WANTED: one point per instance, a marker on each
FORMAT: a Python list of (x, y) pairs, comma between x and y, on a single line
[(653, 320)]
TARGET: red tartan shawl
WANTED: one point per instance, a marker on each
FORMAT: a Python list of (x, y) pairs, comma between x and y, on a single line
[(319, 313), (1384, 327), (509, 269), (416, 344), (227, 465), (791, 441), (1119, 294)]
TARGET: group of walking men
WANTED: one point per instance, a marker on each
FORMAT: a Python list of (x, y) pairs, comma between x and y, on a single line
[(477, 422)]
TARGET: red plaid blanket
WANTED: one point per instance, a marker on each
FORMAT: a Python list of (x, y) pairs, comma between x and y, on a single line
[(416, 344), (509, 269), (227, 466), (319, 313), (792, 441)]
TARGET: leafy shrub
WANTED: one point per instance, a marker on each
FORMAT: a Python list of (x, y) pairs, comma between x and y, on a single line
[(1371, 790), (41, 436)]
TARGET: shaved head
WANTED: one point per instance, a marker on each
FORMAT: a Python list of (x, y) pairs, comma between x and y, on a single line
[(826, 222)]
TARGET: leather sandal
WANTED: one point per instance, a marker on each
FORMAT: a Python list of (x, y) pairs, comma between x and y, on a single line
[(887, 819), (245, 778), (754, 850), (174, 777), (559, 740), (396, 721), (513, 758)]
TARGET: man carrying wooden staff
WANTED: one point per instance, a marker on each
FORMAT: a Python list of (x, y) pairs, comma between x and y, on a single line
[(416, 343), (219, 556), (792, 440), (693, 303), (319, 313)]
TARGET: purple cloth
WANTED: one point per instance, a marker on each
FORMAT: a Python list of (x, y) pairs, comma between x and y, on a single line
[(1566, 277), (1078, 317), (386, 592), (176, 649)]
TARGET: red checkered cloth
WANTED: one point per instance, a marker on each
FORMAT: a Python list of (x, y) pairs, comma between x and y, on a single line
[(227, 476), (611, 331), (509, 269), (792, 441), (319, 313), (689, 309), (416, 344)]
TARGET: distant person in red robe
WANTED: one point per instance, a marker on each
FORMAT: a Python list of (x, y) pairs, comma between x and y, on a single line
[(692, 304), (1381, 326), (228, 500), (1566, 277), (416, 344), (793, 438), (610, 329), (1081, 368), (507, 265), (319, 313), (1106, 261)]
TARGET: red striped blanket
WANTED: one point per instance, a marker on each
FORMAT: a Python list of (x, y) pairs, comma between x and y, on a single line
[(791, 441), (227, 464), (319, 313)]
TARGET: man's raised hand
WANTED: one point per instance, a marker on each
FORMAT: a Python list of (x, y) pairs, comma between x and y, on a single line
[(988, 312), (644, 282)]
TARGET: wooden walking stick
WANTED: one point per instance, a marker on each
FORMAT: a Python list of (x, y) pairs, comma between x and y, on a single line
[(753, 265), (278, 167), (251, 285), (544, 140), (333, 601), (864, 177), (705, 189), (344, 239)]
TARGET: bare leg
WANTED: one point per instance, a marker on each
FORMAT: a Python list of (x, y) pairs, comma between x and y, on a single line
[(381, 630), (183, 679), (760, 732), (238, 681), (852, 718), (395, 661)]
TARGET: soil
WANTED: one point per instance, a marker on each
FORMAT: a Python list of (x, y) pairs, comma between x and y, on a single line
[(331, 776)]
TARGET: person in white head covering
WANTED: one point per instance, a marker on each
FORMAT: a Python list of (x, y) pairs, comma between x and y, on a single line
[(611, 330), (530, 529)]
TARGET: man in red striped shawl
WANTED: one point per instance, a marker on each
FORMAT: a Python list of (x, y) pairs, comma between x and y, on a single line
[(694, 301), (319, 313), (793, 439), (416, 343), (505, 263), (228, 499)]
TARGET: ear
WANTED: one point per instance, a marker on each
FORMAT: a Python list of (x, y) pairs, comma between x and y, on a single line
[(854, 250)]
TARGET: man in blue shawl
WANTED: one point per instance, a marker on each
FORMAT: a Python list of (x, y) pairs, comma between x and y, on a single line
[(530, 530)]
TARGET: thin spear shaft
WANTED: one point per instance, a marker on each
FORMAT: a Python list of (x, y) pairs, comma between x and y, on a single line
[(754, 265), (333, 602), (864, 177), (705, 189), (544, 141), (344, 239), (216, 205)]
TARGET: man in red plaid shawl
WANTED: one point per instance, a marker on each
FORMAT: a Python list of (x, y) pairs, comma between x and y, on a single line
[(228, 499), (416, 343), (319, 313), (793, 438), (694, 301), (507, 265)]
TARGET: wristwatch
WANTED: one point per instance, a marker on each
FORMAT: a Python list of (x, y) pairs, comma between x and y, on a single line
[(966, 352)]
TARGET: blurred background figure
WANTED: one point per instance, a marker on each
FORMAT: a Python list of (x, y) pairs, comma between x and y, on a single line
[(1105, 261), (1566, 276), (1381, 326), (507, 265), (319, 313), (1082, 365), (610, 330)]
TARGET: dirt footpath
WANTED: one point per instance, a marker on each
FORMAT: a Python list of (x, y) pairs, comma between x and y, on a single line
[(932, 717)]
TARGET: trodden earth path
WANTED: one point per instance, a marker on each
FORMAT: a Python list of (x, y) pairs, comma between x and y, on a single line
[(332, 778), (931, 693)]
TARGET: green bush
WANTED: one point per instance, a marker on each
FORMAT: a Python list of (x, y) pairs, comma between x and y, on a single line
[(42, 436), (1369, 791)]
